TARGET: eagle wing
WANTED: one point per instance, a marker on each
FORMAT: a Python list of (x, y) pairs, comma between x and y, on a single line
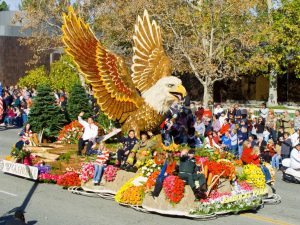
[(104, 70), (150, 62)]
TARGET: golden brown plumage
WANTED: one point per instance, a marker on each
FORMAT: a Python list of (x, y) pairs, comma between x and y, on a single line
[(114, 88)]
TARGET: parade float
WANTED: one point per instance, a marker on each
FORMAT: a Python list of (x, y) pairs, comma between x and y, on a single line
[(140, 102)]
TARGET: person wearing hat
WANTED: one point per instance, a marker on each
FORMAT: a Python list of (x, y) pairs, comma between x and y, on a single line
[(189, 172), (295, 157)]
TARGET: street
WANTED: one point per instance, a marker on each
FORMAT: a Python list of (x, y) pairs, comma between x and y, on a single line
[(47, 204)]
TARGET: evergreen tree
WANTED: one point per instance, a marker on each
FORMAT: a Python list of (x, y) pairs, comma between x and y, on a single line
[(78, 102), (45, 114)]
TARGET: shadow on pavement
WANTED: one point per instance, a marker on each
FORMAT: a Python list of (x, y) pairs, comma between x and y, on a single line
[(9, 218)]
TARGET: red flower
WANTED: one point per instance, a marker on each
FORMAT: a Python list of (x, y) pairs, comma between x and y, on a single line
[(174, 189)]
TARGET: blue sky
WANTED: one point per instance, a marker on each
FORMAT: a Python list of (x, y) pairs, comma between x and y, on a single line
[(13, 4)]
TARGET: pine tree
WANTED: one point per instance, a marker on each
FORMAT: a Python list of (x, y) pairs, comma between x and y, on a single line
[(78, 102), (45, 114)]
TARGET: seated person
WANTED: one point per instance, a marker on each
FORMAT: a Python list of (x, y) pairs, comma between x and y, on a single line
[(226, 141), (167, 169), (9, 116), (141, 152), (252, 156), (25, 137), (100, 163), (189, 172), (128, 144), (89, 135), (295, 158), (210, 141)]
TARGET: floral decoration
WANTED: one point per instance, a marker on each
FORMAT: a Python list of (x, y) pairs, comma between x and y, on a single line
[(49, 178), (151, 180), (87, 172), (110, 173), (254, 175), (71, 133), (69, 179), (216, 168), (174, 189), (149, 168)]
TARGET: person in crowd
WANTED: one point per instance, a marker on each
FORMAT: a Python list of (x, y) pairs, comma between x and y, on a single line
[(216, 137), (260, 127), (286, 146), (253, 127), (251, 140), (263, 112), (199, 113), (238, 113), (192, 140), (242, 136), (271, 125), (89, 135), (209, 141), (216, 125), (280, 135), (269, 151), (297, 120), (189, 172), (218, 110), (226, 141), (234, 143), (167, 170), (1, 111), (266, 134), (276, 158), (9, 116), (295, 157), (140, 153), (100, 163), (286, 121), (200, 127), (225, 127), (222, 119), (295, 138), (262, 144), (231, 113)]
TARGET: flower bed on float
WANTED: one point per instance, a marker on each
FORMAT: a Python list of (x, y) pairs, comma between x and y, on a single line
[(232, 186)]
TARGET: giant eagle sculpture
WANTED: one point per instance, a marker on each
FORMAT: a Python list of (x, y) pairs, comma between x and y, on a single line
[(140, 100)]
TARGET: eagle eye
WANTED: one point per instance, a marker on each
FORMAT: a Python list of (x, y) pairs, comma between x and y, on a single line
[(170, 85)]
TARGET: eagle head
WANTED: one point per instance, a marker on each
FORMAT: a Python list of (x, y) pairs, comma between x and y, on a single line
[(164, 93)]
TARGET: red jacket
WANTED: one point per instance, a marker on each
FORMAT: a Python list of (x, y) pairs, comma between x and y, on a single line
[(224, 128), (248, 158)]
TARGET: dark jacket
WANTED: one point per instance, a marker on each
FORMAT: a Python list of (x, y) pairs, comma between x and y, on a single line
[(286, 147), (128, 143), (187, 165)]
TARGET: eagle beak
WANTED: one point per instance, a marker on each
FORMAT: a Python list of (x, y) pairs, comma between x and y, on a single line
[(180, 89), (178, 92)]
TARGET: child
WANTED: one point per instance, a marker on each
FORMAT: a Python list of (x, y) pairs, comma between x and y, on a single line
[(266, 134), (100, 163)]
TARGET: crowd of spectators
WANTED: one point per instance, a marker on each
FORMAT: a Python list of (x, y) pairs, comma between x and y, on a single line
[(274, 134), (15, 104)]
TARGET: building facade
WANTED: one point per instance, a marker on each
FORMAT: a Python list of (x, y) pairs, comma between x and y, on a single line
[(13, 56)]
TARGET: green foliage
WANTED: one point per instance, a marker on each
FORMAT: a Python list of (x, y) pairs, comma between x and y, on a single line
[(34, 78), (62, 76), (45, 114), (19, 154), (65, 157), (279, 40), (105, 122), (3, 6), (78, 102)]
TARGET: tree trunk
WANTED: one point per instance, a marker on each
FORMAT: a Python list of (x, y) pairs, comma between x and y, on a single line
[(272, 100), (208, 94)]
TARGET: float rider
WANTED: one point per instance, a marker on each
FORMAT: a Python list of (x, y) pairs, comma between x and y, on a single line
[(190, 172), (141, 152)]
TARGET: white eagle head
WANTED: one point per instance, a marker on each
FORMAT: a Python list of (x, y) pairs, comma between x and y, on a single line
[(164, 93)]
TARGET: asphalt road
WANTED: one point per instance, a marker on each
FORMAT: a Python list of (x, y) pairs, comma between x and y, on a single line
[(47, 204)]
